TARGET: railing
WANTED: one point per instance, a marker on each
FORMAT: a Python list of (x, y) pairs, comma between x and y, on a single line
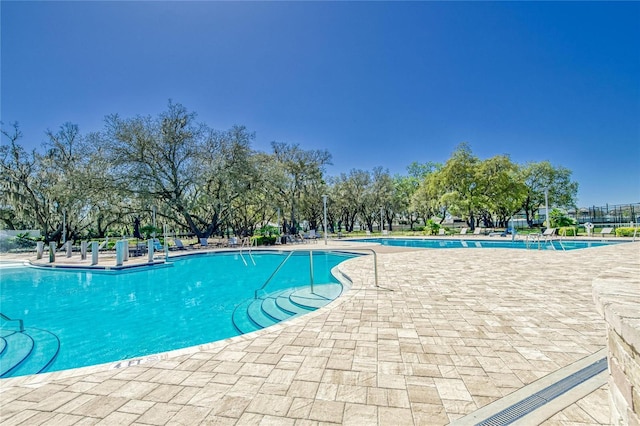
[(20, 322), (246, 242), (342, 250)]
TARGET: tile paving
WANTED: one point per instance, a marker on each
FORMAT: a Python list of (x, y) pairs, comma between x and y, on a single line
[(444, 333)]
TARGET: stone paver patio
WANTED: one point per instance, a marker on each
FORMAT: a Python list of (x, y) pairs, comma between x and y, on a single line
[(445, 333)]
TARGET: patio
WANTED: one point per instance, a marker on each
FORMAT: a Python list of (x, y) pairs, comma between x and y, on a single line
[(445, 333)]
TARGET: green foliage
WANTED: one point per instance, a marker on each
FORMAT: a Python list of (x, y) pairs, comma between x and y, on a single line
[(560, 219), (25, 240), (268, 231), (261, 240), (209, 182), (432, 227), (147, 231), (627, 231), (568, 231)]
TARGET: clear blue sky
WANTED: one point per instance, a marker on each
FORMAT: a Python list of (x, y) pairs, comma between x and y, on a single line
[(375, 83)]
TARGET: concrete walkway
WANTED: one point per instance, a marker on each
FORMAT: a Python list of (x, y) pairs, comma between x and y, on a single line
[(445, 333)]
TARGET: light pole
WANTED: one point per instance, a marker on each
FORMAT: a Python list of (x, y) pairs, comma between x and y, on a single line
[(64, 226), (153, 210), (324, 203), (546, 207)]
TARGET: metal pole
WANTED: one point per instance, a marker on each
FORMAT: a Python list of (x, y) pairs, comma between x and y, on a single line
[(381, 220), (154, 221), (324, 202), (166, 244), (64, 226), (546, 207), (311, 268)]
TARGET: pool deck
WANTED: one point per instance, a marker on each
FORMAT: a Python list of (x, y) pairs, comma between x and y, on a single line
[(442, 335)]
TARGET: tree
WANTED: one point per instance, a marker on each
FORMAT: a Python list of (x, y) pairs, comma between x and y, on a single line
[(349, 193), (541, 177), (502, 189), (405, 189), (49, 191), (301, 168), (381, 196), (458, 178), (160, 161)]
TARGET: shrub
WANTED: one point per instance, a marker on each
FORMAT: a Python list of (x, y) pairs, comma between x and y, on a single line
[(264, 241), (626, 231), (560, 219), (431, 227), (569, 231)]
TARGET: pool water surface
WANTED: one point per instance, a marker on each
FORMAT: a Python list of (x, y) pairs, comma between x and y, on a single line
[(555, 244), (107, 316)]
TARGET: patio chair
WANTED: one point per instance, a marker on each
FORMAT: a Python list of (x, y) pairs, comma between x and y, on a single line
[(463, 231), (156, 245), (180, 246), (442, 231), (606, 231), (477, 231)]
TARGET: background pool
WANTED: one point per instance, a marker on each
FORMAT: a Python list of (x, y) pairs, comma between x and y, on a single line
[(102, 316), (503, 242)]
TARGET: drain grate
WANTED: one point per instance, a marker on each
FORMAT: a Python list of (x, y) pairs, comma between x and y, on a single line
[(538, 399)]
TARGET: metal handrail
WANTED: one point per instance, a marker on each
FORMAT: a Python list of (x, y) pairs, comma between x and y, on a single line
[(247, 241), (375, 264), (273, 274)]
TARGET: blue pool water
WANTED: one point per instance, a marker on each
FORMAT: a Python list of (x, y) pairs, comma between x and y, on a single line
[(482, 243), (103, 316)]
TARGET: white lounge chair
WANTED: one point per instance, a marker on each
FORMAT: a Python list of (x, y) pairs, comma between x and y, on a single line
[(606, 231), (463, 231)]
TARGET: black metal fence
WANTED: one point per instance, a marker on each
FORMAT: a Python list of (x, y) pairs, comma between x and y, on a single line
[(612, 215)]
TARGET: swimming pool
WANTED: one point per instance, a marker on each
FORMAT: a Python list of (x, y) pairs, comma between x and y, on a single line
[(107, 316), (483, 243)]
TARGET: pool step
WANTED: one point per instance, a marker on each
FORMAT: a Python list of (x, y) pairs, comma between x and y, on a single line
[(255, 314), (29, 352)]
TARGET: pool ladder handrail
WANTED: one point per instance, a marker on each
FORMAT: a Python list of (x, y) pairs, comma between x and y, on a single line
[(375, 264), (246, 242)]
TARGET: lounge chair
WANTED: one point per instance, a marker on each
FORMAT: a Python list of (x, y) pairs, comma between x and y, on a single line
[(463, 231), (156, 245), (311, 236), (477, 231), (442, 231), (103, 245), (549, 232), (546, 235), (179, 245), (606, 231)]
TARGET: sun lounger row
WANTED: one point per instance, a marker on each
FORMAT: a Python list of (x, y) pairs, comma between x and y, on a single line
[(208, 243)]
